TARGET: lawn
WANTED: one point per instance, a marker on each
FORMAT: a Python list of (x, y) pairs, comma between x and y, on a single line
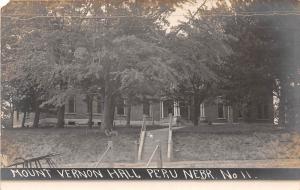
[(235, 144), (78, 145)]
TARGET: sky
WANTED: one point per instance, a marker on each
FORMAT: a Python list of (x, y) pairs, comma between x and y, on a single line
[(175, 18), (179, 14), (3, 2)]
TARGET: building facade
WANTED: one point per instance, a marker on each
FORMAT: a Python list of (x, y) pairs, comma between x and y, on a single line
[(157, 113)]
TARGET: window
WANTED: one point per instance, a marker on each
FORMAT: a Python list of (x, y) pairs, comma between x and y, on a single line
[(221, 110), (240, 113), (71, 105), (202, 110), (146, 108), (262, 111), (121, 108), (100, 105)]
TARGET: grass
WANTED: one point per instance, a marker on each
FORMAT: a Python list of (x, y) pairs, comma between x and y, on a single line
[(76, 145), (81, 145), (235, 144)]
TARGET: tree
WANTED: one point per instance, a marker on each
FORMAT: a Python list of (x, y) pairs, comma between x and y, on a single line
[(23, 57), (7, 110), (122, 53), (30, 93), (12, 34), (26, 54), (200, 45), (62, 36), (88, 83), (259, 64), (131, 60), (117, 46)]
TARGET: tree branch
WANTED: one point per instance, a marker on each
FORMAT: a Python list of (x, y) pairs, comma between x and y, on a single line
[(190, 19)]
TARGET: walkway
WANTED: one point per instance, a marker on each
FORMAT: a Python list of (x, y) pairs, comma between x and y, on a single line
[(152, 139)]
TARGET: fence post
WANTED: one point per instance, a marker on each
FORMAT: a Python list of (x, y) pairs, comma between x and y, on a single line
[(142, 139), (135, 150), (144, 123), (141, 144), (170, 141), (159, 160), (110, 156), (170, 122)]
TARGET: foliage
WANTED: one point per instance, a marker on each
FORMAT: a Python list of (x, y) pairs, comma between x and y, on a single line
[(200, 46), (261, 65)]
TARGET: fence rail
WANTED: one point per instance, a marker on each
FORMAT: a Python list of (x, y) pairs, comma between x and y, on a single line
[(35, 162), (109, 148), (159, 161)]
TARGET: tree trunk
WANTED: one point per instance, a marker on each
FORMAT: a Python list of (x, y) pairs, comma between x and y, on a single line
[(112, 116), (24, 119), (107, 116), (90, 105), (128, 115), (196, 110), (12, 114), (60, 116), (36, 118)]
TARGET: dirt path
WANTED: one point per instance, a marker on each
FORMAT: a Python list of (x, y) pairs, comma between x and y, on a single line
[(153, 138)]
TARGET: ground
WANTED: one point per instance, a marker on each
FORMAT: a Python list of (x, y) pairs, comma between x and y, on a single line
[(82, 147), (76, 145), (235, 144)]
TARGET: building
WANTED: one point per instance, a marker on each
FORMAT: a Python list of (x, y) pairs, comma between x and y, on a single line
[(76, 112)]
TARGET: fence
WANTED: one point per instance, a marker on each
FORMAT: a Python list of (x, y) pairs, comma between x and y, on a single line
[(108, 151), (159, 160), (170, 140)]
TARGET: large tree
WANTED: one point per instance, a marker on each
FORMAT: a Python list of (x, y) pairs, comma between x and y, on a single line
[(23, 59), (262, 62), (123, 52), (119, 44), (200, 44)]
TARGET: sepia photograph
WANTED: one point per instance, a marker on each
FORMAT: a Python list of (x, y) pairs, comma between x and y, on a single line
[(157, 84)]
